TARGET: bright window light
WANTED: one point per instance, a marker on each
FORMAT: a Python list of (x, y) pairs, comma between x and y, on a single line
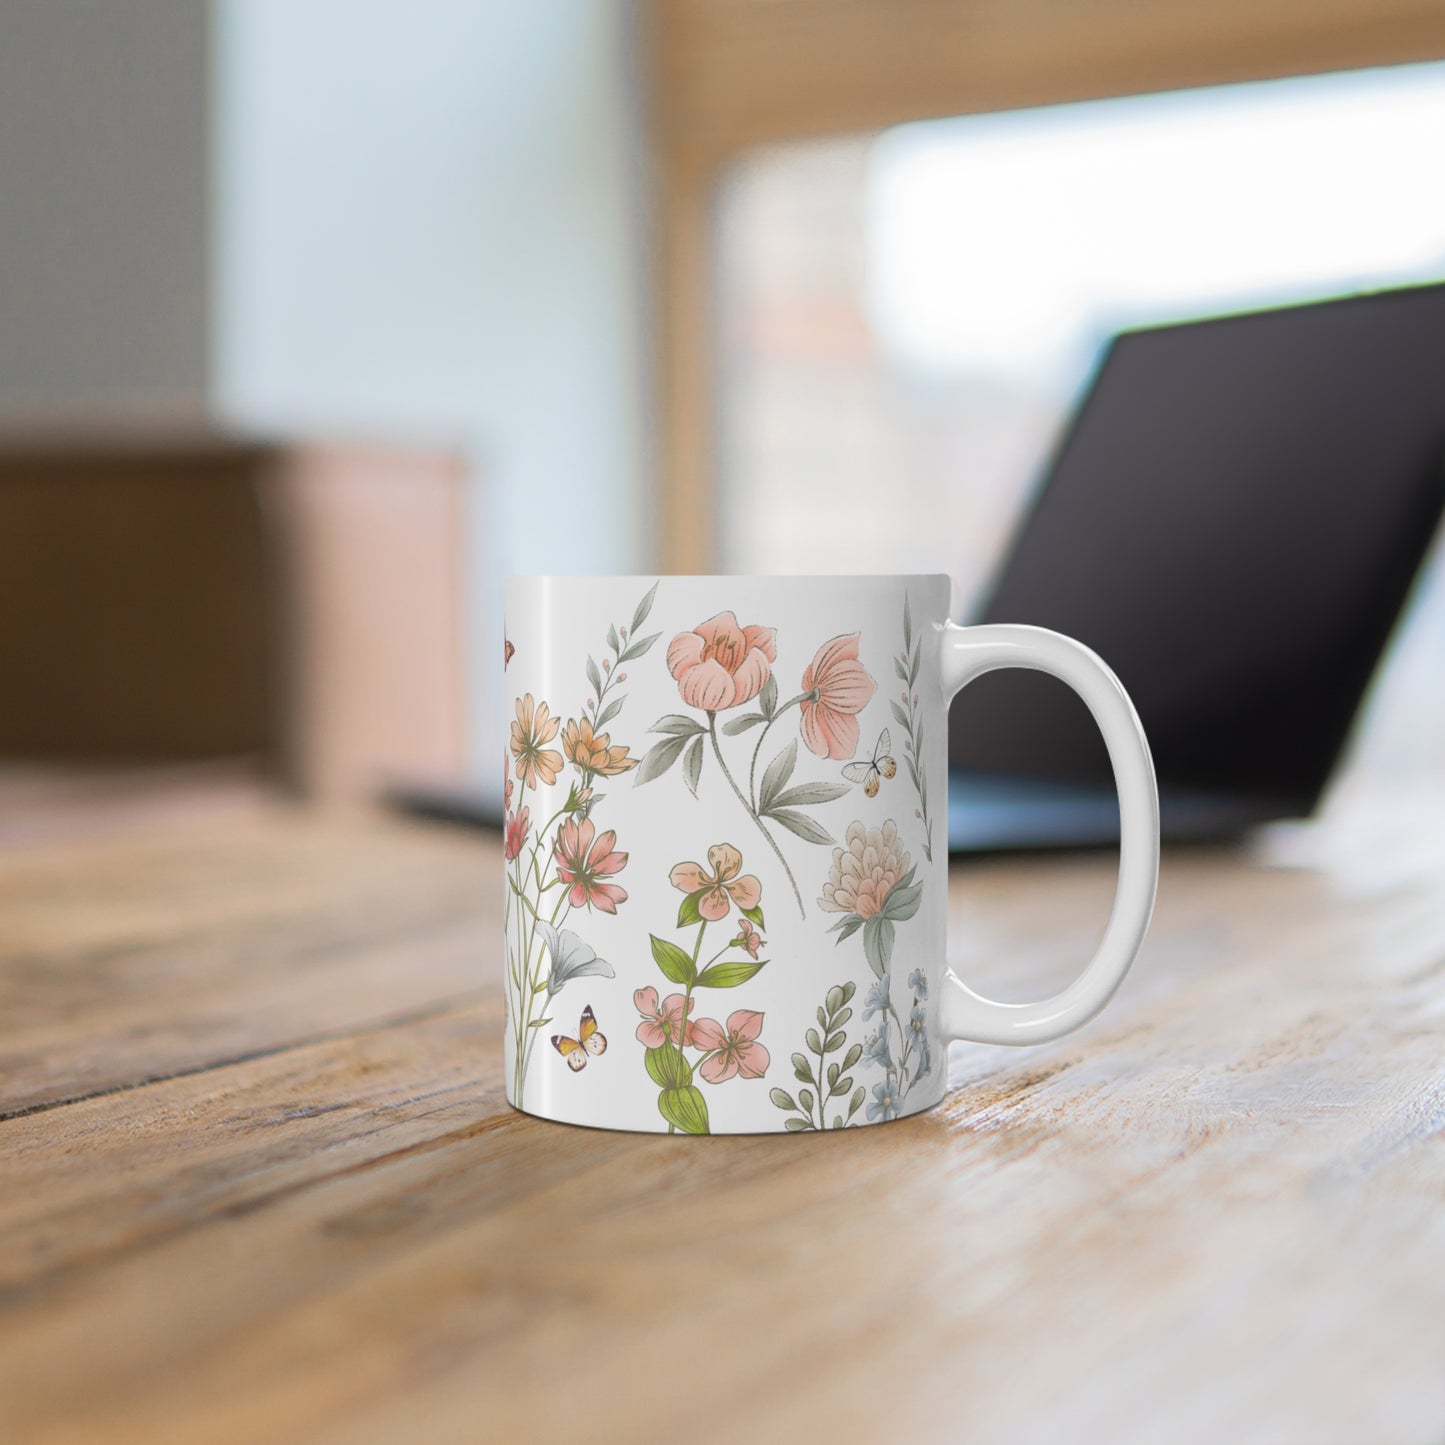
[(1015, 242)]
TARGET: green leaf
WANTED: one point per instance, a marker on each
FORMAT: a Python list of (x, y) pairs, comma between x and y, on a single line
[(913, 671), (802, 1069), (674, 963), (805, 1098), (687, 911), (677, 724), (842, 1086), (806, 795), (539, 1023), (796, 1126), (849, 989), (801, 824), (728, 975), (813, 1041), (856, 1102), (834, 1000), (776, 775), (834, 1042), (833, 1075), (841, 1017), (907, 625), (638, 647), (667, 1067), (609, 712), (821, 1014), (743, 723), (692, 765), (613, 640), (593, 676), (684, 1108), (645, 606), (897, 710), (659, 758), (903, 898), (837, 1121), (899, 668), (782, 1098), (768, 697), (754, 915), (878, 943), (847, 927), (852, 1057)]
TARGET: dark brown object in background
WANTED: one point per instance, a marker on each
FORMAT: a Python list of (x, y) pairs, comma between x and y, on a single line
[(204, 598)]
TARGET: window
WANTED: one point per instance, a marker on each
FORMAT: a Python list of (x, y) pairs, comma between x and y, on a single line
[(904, 320)]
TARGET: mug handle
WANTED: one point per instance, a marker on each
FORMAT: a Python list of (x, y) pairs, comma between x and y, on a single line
[(969, 652)]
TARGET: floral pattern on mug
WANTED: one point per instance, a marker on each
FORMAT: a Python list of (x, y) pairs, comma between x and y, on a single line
[(824, 1081), (718, 666), (668, 1031), (550, 875)]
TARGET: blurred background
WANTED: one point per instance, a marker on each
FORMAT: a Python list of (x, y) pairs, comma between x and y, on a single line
[(318, 319)]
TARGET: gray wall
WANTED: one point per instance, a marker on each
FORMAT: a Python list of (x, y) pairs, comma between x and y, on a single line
[(104, 177)]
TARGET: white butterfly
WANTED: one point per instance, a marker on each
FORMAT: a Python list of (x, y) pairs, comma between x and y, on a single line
[(880, 765)]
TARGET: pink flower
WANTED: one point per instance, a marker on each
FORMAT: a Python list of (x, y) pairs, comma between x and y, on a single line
[(507, 779), (517, 825), (660, 1026), (844, 688), (723, 885), (719, 665), (582, 862), (738, 1051), (748, 937)]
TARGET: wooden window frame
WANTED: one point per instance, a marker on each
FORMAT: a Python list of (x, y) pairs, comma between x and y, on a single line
[(727, 76)]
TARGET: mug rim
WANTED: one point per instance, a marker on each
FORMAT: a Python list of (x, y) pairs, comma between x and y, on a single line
[(729, 576)]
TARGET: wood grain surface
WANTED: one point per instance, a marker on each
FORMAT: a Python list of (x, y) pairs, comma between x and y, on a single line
[(260, 1180)]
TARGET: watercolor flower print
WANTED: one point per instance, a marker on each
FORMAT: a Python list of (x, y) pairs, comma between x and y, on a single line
[(567, 865), (722, 667), (681, 1049), (871, 883)]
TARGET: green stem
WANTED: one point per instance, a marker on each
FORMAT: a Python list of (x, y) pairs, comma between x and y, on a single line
[(752, 812), (767, 727)]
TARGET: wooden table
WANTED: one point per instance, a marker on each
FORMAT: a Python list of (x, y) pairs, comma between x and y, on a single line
[(260, 1181)]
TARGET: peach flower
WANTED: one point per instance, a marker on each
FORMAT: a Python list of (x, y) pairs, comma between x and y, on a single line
[(537, 764), (738, 1049), (594, 753), (661, 1023), (843, 688), (865, 871), (719, 665), (517, 825), (723, 885), (748, 937)]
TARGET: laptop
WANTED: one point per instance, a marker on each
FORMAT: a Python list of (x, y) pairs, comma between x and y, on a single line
[(1233, 521)]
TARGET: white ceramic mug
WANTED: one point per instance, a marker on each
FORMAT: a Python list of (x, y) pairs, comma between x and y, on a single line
[(726, 849)]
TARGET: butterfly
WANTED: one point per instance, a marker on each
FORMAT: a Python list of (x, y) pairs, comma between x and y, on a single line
[(588, 1041), (880, 765), (510, 653)]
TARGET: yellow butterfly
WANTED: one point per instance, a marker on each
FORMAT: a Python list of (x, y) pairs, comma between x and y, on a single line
[(589, 1041), (880, 765)]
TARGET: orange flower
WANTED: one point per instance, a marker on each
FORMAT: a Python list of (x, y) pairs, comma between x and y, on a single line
[(591, 753), (719, 665), (838, 688), (531, 733)]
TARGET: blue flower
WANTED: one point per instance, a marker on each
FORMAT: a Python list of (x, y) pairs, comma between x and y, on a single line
[(875, 1047), (886, 1099), (918, 982), (926, 1067), (877, 1002), (915, 1031)]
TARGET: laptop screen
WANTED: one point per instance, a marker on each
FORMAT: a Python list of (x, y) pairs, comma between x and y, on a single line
[(1232, 522)]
